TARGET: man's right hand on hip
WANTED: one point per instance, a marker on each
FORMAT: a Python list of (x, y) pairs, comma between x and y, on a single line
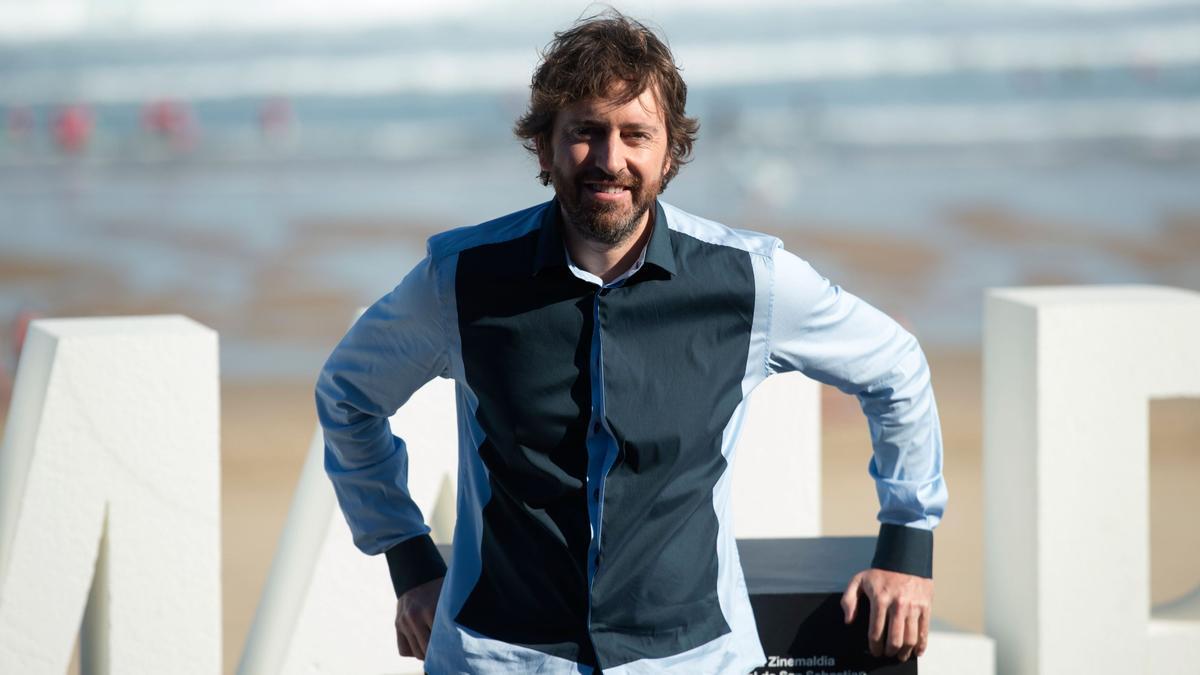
[(414, 617)]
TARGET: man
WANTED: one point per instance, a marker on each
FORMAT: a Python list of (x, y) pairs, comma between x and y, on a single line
[(604, 345)]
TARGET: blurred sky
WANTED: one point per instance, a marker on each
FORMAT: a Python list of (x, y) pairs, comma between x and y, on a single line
[(44, 19)]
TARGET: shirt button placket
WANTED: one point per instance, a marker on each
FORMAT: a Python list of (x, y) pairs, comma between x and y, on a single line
[(597, 407)]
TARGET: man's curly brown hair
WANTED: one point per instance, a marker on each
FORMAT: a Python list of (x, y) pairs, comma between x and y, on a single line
[(587, 60)]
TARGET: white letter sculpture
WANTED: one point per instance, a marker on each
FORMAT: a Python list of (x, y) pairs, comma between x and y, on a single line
[(1068, 374), (326, 607), (110, 480), (777, 477)]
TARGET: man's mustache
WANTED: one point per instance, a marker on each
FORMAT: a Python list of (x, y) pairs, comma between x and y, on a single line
[(623, 179)]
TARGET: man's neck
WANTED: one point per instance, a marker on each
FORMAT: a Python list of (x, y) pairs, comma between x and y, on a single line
[(607, 261)]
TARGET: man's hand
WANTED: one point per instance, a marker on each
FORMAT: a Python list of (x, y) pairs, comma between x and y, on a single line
[(901, 601), (414, 617)]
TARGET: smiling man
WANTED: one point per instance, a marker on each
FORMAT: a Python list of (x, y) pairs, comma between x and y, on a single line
[(604, 345), (607, 158)]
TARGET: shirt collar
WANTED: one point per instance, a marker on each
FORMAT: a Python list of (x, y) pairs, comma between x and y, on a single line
[(551, 251), (592, 278)]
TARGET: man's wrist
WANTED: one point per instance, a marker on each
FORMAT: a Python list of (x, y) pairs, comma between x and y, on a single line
[(413, 562), (908, 550)]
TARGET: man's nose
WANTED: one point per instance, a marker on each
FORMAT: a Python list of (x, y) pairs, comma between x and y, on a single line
[(608, 153)]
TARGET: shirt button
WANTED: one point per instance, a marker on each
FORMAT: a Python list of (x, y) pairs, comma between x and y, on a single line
[(596, 428), (596, 494)]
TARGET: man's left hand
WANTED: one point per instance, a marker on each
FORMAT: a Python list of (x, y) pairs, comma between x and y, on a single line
[(900, 605)]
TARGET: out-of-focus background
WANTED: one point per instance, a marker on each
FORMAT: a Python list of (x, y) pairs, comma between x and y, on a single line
[(267, 167)]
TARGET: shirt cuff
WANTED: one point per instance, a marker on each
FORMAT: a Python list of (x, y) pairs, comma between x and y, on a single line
[(904, 549), (414, 561)]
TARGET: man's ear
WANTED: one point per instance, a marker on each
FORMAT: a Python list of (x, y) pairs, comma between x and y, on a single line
[(544, 154)]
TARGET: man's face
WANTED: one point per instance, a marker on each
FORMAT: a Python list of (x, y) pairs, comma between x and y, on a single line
[(607, 163)]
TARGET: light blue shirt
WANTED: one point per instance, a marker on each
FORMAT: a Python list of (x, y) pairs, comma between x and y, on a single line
[(800, 322)]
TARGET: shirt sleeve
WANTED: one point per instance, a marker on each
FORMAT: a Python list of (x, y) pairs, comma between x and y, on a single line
[(393, 349), (837, 338)]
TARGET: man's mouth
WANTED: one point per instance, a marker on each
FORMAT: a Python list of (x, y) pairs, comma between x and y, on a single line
[(606, 188)]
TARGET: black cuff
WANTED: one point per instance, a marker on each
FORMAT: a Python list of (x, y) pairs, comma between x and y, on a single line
[(904, 549), (414, 561)]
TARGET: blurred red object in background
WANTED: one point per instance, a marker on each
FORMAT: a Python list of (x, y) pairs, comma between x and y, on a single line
[(172, 121), (73, 128)]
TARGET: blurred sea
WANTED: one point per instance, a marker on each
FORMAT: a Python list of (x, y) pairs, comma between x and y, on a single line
[(268, 183)]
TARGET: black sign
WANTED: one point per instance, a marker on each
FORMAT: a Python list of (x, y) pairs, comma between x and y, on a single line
[(796, 588)]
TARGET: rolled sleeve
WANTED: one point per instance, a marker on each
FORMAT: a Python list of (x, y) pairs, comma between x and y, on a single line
[(836, 338)]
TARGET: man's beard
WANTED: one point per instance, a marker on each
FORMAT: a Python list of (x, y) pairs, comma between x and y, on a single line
[(602, 223)]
